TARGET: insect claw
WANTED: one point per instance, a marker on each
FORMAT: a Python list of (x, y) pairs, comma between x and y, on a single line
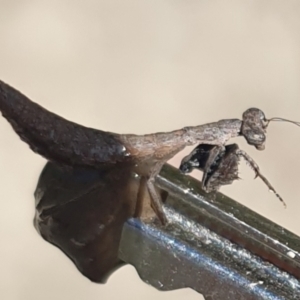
[(255, 168)]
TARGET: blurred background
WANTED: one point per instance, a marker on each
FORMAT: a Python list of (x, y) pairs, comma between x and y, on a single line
[(140, 67)]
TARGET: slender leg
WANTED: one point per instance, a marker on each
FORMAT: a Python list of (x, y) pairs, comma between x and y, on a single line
[(255, 168), (140, 197), (156, 202), (213, 154)]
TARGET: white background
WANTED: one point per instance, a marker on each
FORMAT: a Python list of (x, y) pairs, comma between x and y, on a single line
[(140, 67)]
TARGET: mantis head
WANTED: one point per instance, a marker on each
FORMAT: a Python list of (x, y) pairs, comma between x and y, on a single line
[(254, 127)]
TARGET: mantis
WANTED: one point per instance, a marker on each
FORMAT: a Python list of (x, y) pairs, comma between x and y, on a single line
[(69, 144)]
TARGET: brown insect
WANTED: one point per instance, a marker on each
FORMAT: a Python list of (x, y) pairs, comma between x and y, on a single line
[(70, 144)]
